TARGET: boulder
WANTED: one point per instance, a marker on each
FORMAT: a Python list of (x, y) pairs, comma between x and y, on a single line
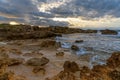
[(74, 47), (37, 61), (70, 66)]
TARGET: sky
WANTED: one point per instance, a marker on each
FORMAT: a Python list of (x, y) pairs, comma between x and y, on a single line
[(97, 14)]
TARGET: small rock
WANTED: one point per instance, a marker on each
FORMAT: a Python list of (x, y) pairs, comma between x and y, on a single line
[(74, 47), (79, 41), (37, 61), (60, 54)]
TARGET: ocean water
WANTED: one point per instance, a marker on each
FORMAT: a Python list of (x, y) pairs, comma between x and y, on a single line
[(99, 47)]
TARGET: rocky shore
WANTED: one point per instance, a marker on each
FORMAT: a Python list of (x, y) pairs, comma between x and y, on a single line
[(32, 53), (10, 32)]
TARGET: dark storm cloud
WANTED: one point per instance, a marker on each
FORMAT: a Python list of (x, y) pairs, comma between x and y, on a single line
[(27, 11), (17, 7)]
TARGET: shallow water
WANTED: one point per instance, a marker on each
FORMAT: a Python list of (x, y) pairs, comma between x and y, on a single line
[(101, 46)]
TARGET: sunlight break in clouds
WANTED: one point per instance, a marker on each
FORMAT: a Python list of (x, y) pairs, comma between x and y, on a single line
[(13, 23), (97, 23)]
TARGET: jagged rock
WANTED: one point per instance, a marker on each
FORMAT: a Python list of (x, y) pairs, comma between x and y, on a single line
[(37, 61), (49, 43), (74, 47), (70, 66), (60, 54), (79, 41), (114, 60), (39, 69)]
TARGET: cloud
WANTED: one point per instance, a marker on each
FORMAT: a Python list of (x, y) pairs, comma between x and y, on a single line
[(89, 8), (44, 11)]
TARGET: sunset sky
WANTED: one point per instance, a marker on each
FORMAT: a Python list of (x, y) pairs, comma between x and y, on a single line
[(96, 14)]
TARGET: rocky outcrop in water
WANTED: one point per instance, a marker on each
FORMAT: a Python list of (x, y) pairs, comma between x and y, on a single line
[(113, 32)]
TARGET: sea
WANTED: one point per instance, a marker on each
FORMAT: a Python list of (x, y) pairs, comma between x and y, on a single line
[(95, 46)]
